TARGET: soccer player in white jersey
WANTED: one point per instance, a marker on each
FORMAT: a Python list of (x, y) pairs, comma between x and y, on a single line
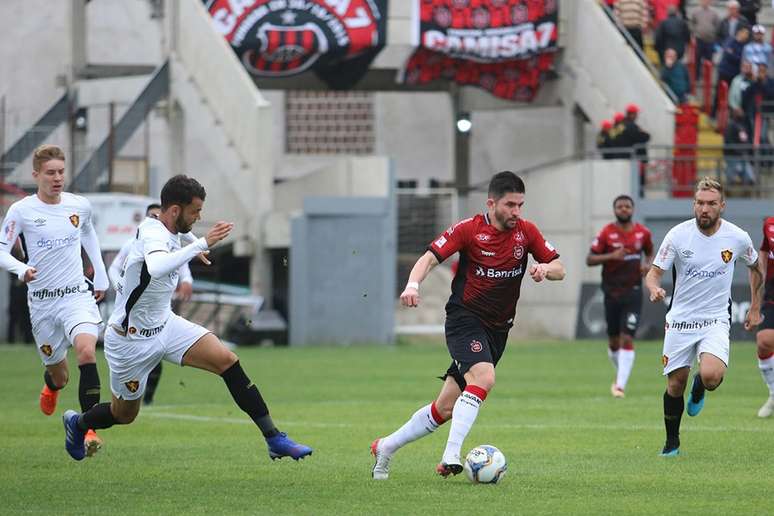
[(182, 293), (53, 225), (701, 253), (143, 330)]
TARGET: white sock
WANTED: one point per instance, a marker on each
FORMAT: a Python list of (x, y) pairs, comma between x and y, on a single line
[(613, 356), (766, 366), (422, 423), (463, 416), (625, 364)]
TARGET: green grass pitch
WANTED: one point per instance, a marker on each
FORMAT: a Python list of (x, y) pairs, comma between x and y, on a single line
[(571, 447)]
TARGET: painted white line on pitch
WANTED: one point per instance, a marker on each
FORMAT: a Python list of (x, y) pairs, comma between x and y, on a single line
[(507, 426)]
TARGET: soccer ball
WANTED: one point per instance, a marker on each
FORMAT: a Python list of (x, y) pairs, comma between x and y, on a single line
[(485, 464)]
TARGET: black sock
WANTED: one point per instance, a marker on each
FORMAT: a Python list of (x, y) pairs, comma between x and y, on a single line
[(50, 381), (673, 411), (88, 386), (98, 416), (697, 390), (248, 398), (153, 382)]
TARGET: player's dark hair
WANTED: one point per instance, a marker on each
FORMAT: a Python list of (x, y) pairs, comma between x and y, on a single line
[(503, 183), (152, 206), (181, 190), (623, 197)]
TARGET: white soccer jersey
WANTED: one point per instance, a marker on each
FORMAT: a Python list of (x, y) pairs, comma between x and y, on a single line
[(52, 235), (114, 271), (704, 269), (143, 301)]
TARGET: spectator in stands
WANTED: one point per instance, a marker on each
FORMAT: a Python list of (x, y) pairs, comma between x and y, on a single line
[(603, 139), (757, 51), (660, 9), (731, 23), (739, 84), (756, 99), (673, 33), (704, 25), (749, 9), (632, 134), (675, 75), (615, 138), (736, 137), (730, 62), (634, 16)]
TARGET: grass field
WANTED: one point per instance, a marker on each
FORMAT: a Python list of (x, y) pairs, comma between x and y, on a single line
[(572, 448)]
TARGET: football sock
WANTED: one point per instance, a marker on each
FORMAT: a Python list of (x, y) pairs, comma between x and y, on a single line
[(697, 391), (766, 365), (98, 416), (673, 411), (424, 422), (613, 356), (248, 398), (625, 364), (88, 386), (153, 382), (50, 381), (463, 416)]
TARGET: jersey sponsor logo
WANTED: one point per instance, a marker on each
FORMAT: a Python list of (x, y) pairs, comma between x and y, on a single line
[(498, 274), (440, 242), (549, 246), (54, 243), (40, 222), (693, 272), (726, 255), (9, 229), (519, 237), (487, 253), (132, 385), (691, 325), (75, 219), (639, 234), (476, 346), (518, 252), (150, 332), (613, 236), (46, 293), (46, 350), (483, 237)]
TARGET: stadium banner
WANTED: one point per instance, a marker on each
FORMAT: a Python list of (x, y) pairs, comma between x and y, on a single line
[(503, 46), (338, 39), (591, 314)]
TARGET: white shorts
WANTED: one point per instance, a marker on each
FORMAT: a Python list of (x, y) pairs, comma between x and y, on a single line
[(55, 323), (131, 360), (680, 348)]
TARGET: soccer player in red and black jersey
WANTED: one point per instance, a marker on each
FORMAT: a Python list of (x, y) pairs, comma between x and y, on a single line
[(765, 335), (493, 249), (619, 248)]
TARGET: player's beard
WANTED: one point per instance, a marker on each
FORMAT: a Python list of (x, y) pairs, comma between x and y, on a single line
[(706, 223), (180, 224), (623, 220), (505, 221)]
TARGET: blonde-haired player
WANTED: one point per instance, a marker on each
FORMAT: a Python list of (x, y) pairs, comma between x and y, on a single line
[(701, 253), (53, 225)]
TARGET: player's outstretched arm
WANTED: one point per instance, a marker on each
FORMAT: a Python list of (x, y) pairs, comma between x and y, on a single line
[(756, 275), (653, 284), (426, 263)]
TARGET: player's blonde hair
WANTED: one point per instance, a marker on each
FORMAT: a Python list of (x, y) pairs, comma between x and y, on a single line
[(44, 153), (707, 183)]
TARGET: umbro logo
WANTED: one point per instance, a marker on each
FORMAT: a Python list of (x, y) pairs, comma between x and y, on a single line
[(687, 253), (40, 222)]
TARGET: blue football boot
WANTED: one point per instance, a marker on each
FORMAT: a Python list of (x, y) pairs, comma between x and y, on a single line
[(283, 446), (671, 448), (695, 403), (73, 435)]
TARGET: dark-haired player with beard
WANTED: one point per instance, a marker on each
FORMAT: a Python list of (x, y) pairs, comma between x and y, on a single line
[(619, 248), (701, 253), (143, 330), (493, 249)]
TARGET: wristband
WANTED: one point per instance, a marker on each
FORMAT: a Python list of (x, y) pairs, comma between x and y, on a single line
[(413, 284)]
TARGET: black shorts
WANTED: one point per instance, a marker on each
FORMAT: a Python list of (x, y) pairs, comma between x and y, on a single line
[(622, 312), (470, 341), (768, 317)]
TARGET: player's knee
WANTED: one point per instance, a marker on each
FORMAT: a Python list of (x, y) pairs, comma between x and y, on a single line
[(486, 380), (228, 359), (765, 346), (712, 380), (87, 356), (444, 410)]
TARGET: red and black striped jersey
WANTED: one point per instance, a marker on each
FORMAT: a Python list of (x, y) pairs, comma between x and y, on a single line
[(492, 265), (619, 276), (767, 253)]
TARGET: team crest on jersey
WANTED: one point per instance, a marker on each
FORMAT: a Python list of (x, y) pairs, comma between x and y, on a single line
[(518, 252), (46, 350), (74, 219), (132, 385), (726, 255), (132, 330), (476, 346), (664, 360)]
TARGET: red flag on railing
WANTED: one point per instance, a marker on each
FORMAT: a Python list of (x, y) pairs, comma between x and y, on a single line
[(722, 112), (707, 72)]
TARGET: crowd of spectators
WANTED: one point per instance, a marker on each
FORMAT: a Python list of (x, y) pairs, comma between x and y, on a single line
[(622, 137)]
